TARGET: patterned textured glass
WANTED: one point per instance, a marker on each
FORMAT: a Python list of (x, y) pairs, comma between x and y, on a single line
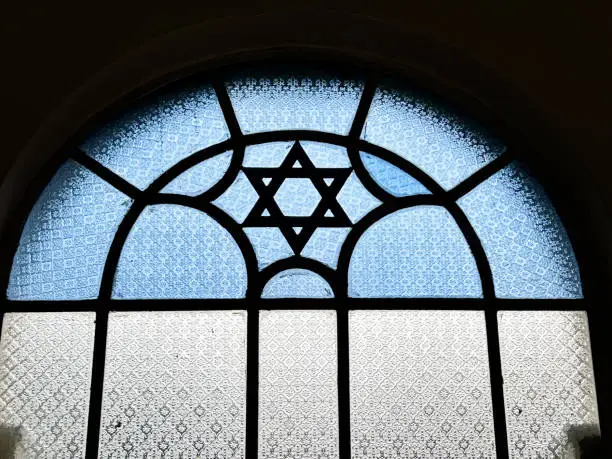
[(529, 251), (298, 387), (157, 134), (200, 177), (45, 374), (326, 155), (443, 144), (414, 252), (420, 385), (264, 103), (179, 252), (355, 199), (392, 179), (297, 283), (66, 238), (238, 199), (270, 245), (325, 244), (174, 385), (297, 197), (549, 388), (266, 155)]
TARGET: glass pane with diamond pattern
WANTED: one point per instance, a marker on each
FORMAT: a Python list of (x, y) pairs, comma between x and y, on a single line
[(298, 387), (159, 132), (45, 375), (174, 385), (297, 283), (549, 388), (66, 238), (267, 102), (200, 177), (420, 385)]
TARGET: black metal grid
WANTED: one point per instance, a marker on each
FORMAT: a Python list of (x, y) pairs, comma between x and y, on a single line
[(257, 279)]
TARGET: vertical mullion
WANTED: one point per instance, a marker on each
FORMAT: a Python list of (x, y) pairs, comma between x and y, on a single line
[(344, 388), (97, 384), (252, 387), (497, 383)]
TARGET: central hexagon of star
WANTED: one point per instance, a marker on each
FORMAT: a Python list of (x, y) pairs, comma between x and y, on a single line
[(297, 197)]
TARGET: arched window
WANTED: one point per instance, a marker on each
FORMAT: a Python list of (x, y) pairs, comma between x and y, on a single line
[(299, 263)]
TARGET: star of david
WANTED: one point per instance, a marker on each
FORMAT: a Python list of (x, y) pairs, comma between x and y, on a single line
[(297, 180)]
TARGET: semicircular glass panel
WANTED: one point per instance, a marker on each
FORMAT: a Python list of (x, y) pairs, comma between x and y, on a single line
[(530, 253), (417, 252), (66, 238), (268, 102), (445, 145), (200, 177), (297, 283), (159, 132), (179, 252)]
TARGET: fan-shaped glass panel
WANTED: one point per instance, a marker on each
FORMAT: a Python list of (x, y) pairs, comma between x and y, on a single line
[(179, 252), (297, 283), (65, 241)]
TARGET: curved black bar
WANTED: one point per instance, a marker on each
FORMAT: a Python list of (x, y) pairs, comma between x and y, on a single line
[(296, 262)]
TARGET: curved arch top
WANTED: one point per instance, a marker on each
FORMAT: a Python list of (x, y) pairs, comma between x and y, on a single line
[(312, 167)]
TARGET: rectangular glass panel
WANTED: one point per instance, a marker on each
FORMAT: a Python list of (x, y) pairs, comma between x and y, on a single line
[(420, 385), (45, 376), (174, 385), (298, 386), (549, 388)]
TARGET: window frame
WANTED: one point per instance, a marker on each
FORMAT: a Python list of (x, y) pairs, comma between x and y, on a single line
[(253, 303)]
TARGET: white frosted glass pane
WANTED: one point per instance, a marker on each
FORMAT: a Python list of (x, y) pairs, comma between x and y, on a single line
[(45, 375), (163, 129), (270, 245), (326, 155), (238, 199), (549, 388), (414, 252), (420, 385), (325, 244), (273, 102), (355, 199), (529, 251), (298, 387), (392, 179), (174, 385), (200, 177), (66, 238), (179, 252), (443, 144), (297, 283)]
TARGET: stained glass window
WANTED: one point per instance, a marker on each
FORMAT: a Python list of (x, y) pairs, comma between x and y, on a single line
[(255, 247)]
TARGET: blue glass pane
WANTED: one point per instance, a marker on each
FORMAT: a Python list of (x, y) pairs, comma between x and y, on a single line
[(200, 177), (179, 252), (297, 283), (297, 197), (267, 154), (161, 131), (325, 244), (270, 103), (238, 199), (445, 145), (355, 199), (392, 179), (270, 245), (416, 252), (66, 238), (326, 155), (529, 251)]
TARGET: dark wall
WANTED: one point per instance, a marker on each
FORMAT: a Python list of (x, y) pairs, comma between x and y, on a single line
[(539, 72)]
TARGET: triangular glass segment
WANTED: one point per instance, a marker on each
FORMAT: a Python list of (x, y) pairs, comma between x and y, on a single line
[(297, 165), (297, 229), (265, 213), (266, 180), (328, 181), (329, 213), (391, 178)]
